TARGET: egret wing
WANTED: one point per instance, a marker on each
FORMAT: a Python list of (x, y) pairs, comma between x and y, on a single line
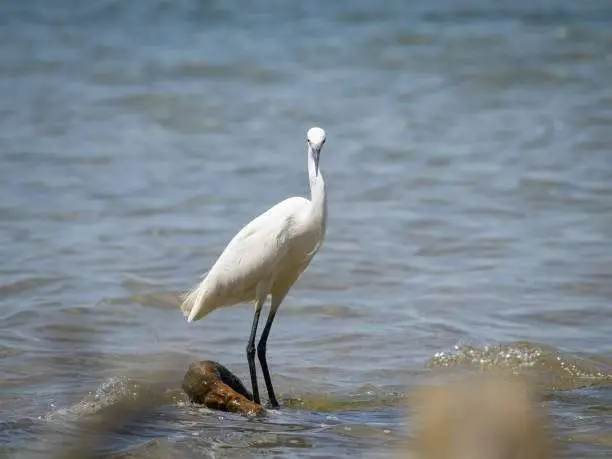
[(251, 256)]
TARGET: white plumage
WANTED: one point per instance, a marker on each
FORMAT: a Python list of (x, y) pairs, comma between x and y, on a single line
[(265, 258), (262, 253)]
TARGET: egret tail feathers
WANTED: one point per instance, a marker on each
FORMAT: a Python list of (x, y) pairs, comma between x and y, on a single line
[(193, 304)]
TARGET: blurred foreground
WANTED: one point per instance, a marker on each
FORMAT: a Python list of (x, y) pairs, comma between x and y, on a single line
[(488, 416), (483, 416)]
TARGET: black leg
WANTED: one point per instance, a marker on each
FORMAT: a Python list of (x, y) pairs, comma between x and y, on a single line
[(250, 351), (261, 353)]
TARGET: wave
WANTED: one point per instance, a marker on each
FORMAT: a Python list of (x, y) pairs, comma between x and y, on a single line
[(553, 369)]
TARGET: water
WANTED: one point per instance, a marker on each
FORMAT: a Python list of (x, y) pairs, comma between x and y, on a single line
[(469, 175)]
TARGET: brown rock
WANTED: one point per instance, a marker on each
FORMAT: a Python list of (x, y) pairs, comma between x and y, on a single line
[(211, 384)]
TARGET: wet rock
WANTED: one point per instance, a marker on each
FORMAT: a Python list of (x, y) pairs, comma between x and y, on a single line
[(211, 384)]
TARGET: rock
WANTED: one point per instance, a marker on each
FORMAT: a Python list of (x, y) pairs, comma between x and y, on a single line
[(211, 384)]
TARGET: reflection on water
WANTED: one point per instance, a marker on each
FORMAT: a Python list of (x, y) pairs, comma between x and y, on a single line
[(470, 206)]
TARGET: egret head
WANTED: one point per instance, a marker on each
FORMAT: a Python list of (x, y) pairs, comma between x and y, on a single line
[(315, 138)]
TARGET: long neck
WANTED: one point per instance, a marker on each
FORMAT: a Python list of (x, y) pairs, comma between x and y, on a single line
[(317, 191)]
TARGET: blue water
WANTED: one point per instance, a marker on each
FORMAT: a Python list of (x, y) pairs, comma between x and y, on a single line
[(470, 211)]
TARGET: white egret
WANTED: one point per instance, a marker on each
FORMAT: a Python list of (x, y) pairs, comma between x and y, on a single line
[(265, 258)]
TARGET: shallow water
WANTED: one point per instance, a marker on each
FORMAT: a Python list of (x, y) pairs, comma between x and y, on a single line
[(470, 212)]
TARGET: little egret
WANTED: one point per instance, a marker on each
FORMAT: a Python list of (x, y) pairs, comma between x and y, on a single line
[(265, 258)]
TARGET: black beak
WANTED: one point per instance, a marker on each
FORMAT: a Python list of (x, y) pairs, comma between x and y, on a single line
[(315, 156)]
